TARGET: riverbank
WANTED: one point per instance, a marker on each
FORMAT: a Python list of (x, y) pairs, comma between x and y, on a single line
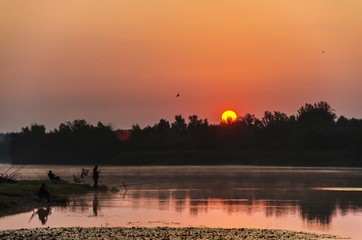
[(21, 196), (163, 233)]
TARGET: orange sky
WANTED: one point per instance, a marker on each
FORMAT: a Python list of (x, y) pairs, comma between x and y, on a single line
[(123, 62)]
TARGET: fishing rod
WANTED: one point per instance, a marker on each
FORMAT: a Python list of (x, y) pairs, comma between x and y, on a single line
[(16, 172), (142, 183), (3, 174)]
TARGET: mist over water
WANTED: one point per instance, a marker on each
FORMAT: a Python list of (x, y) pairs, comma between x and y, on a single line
[(326, 200)]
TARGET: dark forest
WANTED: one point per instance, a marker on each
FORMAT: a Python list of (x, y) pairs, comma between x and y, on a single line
[(312, 137)]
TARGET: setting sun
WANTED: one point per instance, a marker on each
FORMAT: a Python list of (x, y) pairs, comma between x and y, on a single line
[(228, 116)]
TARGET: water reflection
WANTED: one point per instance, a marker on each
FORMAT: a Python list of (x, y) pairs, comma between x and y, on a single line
[(312, 206), (314, 195), (95, 204), (290, 198), (43, 213), (315, 208)]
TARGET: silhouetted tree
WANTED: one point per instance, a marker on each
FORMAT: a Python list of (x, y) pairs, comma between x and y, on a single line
[(163, 126), (196, 123), (317, 113), (275, 119), (179, 125), (312, 130), (4, 147), (249, 120), (315, 125)]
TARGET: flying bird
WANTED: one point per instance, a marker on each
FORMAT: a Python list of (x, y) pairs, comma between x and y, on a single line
[(323, 51), (177, 95)]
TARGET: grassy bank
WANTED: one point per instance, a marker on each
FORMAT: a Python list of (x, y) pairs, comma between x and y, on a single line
[(22, 195)]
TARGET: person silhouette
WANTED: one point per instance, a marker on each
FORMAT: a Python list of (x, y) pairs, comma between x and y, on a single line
[(52, 176), (95, 175)]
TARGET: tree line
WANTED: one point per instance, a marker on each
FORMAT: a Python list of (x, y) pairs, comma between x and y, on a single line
[(314, 133)]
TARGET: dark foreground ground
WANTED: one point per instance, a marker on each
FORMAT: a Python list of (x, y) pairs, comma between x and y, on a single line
[(158, 233)]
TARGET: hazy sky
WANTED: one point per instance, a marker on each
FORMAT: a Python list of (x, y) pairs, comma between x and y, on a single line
[(124, 61)]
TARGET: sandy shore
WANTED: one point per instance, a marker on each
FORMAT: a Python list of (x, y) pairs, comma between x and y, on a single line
[(162, 233)]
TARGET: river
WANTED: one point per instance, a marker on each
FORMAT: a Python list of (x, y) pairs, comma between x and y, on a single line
[(321, 200)]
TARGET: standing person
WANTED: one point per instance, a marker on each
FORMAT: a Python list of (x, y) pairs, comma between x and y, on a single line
[(95, 175)]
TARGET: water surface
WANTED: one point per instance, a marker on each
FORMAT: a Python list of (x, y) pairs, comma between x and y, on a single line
[(323, 200)]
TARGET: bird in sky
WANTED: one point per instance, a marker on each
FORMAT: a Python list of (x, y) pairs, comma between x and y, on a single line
[(177, 95), (323, 51)]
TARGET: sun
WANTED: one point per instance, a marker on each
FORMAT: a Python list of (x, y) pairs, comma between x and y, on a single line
[(229, 116)]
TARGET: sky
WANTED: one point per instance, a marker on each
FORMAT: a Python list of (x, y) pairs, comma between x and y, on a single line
[(124, 61)]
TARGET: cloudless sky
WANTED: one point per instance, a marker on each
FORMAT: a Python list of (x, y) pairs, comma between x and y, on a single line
[(123, 62)]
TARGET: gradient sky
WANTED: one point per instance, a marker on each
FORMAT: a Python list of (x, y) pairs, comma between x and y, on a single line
[(124, 61)]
